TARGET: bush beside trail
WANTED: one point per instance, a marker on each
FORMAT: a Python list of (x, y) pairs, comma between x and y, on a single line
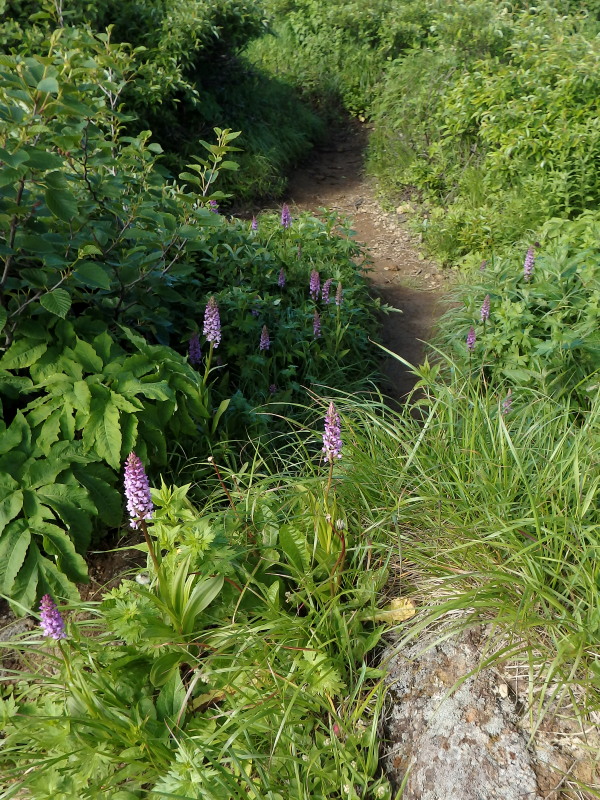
[(485, 113)]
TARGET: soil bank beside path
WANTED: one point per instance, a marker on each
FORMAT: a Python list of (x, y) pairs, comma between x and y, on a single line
[(334, 178)]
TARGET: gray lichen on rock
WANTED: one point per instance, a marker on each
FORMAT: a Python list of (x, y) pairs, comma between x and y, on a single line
[(456, 736)]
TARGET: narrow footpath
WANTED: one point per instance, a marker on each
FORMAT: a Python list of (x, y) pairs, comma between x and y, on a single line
[(334, 178)]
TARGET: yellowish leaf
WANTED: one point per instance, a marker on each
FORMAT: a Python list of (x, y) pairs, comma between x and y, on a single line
[(398, 610)]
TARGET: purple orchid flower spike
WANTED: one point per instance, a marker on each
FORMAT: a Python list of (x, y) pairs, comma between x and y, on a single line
[(265, 341), (137, 491), (51, 621), (212, 323), (286, 217), (471, 339), (485, 309)]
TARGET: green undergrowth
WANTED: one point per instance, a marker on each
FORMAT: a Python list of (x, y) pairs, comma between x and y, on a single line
[(107, 268), (186, 76), (484, 113), (240, 667), (494, 518)]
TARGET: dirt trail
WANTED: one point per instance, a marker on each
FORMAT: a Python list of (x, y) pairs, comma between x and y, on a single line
[(403, 279)]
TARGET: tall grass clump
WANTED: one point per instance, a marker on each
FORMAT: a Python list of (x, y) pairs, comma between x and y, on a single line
[(491, 510)]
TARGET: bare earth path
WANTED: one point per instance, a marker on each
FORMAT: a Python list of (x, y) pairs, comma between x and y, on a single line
[(401, 277)]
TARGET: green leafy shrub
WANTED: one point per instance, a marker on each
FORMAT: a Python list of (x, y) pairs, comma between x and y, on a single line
[(189, 78), (92, 403), (542, 331), (106, 269)]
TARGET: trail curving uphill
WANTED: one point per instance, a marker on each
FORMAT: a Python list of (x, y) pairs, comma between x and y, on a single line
[(335, 178)]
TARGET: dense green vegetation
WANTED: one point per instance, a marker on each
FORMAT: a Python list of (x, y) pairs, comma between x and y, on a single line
[(107, 267), (485, 113), (180, 72), (239, 662)]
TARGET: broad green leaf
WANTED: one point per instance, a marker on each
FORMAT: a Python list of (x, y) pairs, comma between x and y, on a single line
[(53, 581), (92, 275), (164, 667), (57, 302), (202, 596), (81, 396), (25, 584), (103, 431), (14, 386), (17, 433), (14, 541), (10, 505), (89, 250), (107, 500), (87, 356), (61, 203), (42, 160), (3, 318), (13, 159), (126, 405), (74, 507), (129, 429), (48, 85), (171, 698), (57, 543), (22, 353), (49, 433), (157, 390), (293, 543), (42, 471)]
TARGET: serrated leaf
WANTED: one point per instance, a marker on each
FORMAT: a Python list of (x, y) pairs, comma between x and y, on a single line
[(89, 250), (14, 542), (57, 543), (126, 405), (53, 581), (74, 507), (42, 471), (22, 353), (39, 159), (25, 584), (157, 390), (48, 85), (61, 203), (87, 356), (81, 397), (17, 433), (10, 505), (107, 499), (103, 431), (57, 302), (49, 433), (92, 275)]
